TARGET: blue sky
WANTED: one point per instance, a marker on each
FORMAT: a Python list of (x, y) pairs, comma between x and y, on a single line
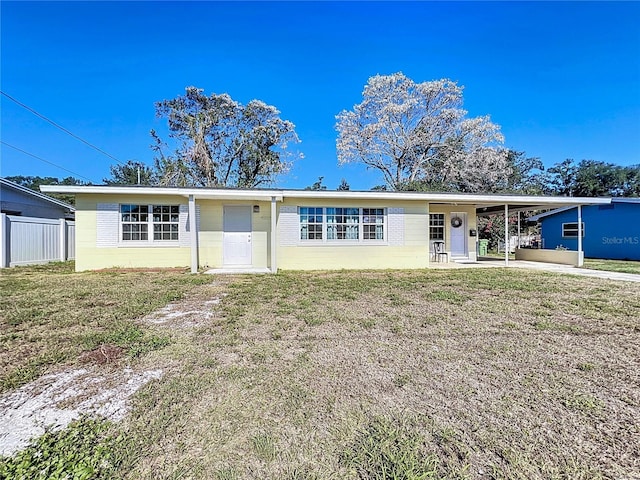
[(562, 79)]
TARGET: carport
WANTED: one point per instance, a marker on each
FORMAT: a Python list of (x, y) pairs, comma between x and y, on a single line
[(511, 205)]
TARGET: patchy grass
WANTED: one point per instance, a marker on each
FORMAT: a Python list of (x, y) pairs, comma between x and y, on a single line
[(475, 373), (49, 314), (622, 266), (439, 374), (389, 449)]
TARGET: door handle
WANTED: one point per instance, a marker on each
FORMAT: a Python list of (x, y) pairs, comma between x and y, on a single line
[(248, 238)]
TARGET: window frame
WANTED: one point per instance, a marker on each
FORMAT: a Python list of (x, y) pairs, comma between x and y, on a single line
[(166, 219), (573, 231), (343, 228), (375, 214), (342, 213), (433, 227), (172, 217), (135, 212), (311, 213)]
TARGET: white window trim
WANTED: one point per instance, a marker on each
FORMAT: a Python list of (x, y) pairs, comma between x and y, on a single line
[(359, 242), (443, 226), (150, 242), (564, 229)]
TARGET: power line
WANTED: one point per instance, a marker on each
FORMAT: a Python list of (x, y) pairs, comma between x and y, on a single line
[(60, 127), (45, 161)]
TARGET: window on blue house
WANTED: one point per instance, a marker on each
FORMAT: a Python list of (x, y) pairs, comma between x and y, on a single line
[(570, 230)]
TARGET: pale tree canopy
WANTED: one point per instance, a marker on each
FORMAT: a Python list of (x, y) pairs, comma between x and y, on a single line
[(417, 134), (222, 143)]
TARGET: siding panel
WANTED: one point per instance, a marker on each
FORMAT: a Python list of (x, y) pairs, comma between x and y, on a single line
[(33, 240), (395, 220), (107, 228), (288, 226)]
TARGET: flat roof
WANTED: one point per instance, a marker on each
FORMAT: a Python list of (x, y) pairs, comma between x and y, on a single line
[(486, 203)]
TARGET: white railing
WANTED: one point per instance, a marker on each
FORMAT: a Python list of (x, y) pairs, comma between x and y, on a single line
[(30, 240)]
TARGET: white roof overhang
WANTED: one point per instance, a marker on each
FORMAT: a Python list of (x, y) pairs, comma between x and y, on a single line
[(198, 193), (485, 203)]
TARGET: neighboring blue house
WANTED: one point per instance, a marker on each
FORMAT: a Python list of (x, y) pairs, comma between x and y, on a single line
[(609, 231)]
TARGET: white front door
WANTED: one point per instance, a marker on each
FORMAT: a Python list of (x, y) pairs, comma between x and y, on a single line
[(458, 237), (236, 242)]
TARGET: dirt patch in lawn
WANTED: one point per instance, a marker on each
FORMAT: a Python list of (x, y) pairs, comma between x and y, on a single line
[(55, 400)]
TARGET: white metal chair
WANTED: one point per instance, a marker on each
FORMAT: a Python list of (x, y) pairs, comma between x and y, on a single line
[(439, 252)]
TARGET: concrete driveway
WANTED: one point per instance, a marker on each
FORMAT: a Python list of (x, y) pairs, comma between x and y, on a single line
[(547, 267), (568, 269)]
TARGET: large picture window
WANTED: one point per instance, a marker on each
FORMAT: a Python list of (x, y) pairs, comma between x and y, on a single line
[(342, 224), (571, 229), (137, 221), (436, 226)]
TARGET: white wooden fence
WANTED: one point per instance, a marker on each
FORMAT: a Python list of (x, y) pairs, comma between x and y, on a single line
[(29, 240), (516, 241)]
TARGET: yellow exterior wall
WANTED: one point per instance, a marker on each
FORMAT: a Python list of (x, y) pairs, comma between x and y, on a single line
[(211, 233), (335, 255), (91, 257), (414, 253), (210, 236), (470, 210)]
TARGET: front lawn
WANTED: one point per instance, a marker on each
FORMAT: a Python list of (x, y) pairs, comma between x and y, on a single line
[(49, 314), (622, 266), (466, 373)]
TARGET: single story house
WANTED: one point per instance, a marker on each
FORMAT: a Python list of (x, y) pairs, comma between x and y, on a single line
[(22, 201), (264, 230), (610, 231)]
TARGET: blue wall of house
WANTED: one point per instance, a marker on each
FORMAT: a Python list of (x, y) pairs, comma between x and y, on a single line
[(610, 231)]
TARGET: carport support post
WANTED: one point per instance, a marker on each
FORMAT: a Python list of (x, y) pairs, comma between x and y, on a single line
[(193, 227), (580, 253), (274, 264), (428, 234), (506, 235)]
